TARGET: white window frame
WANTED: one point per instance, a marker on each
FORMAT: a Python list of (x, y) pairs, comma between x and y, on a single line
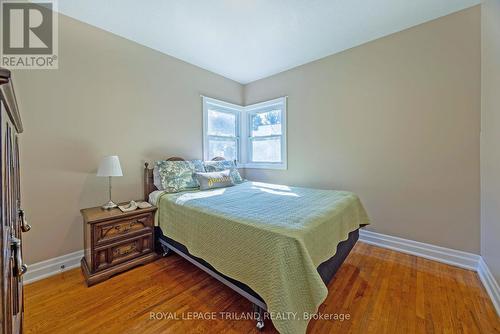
[(276, 104), (224, 107), (243, 139)]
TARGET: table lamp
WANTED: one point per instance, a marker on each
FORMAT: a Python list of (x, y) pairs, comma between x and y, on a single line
[(109, 166)]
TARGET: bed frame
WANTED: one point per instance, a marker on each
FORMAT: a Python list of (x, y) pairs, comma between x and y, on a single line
[(167, 246)]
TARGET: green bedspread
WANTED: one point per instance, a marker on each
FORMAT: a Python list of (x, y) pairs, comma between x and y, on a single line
[(270, 237)]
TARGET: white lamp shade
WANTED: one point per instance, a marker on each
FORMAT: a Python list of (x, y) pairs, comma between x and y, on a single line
[(110, 166)]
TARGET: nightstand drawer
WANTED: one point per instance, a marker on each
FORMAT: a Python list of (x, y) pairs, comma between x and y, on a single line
[(131, 248), (118, 229), (122, 251)]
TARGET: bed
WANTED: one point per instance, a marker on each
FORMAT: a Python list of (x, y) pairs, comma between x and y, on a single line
[(277, 246)]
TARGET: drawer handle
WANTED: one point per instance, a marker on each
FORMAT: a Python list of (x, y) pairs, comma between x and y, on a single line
[(128, 250), (20, 268), (125, 229), (25, 227)]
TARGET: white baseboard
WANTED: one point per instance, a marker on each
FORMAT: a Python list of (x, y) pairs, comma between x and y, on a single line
[(43, 269), (440, 254), (428, 251), (489, 283)]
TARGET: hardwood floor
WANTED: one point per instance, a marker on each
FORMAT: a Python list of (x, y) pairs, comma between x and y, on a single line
[(383, 292)]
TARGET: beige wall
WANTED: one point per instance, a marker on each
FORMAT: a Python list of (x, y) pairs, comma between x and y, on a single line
[(109, 96), (397, 121), (490, 137)]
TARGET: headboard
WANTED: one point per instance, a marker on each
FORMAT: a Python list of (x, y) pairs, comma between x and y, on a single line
[(149, 185)]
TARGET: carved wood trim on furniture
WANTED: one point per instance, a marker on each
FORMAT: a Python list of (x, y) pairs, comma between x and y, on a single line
[(175, 159), (149, 185), (9, 99)]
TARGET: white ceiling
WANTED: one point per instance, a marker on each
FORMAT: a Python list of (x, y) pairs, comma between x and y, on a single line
[(252, 39)]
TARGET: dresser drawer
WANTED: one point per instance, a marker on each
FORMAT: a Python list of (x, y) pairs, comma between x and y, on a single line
[(114, 230), (122, 251)]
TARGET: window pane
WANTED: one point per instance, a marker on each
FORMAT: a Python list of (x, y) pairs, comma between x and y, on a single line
[(266, 123), (222, 148), (221, 123), (268, 150)]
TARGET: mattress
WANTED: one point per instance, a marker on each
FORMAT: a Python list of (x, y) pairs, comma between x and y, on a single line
[(270, 237)]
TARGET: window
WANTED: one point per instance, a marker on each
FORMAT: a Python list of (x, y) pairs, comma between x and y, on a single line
[(266, 144), (261, 127), (221, 124)]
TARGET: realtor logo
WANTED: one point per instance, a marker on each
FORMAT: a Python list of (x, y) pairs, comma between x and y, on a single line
[(29, 34)]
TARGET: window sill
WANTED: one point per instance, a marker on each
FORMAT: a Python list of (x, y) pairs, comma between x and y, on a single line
[(263, 166)]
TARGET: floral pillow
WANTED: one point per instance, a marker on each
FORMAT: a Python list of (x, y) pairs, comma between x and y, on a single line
[(218, 166), (177, 176)]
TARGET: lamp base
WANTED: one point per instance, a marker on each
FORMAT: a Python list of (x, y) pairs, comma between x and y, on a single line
[(109, 205)]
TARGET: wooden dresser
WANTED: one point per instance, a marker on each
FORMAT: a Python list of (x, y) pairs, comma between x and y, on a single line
[(116, 241), (13, 221)]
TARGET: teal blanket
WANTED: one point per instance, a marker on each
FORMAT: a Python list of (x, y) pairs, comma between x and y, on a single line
[(270, 237)]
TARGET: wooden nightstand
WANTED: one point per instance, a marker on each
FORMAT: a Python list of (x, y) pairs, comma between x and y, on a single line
[(116, 241)]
